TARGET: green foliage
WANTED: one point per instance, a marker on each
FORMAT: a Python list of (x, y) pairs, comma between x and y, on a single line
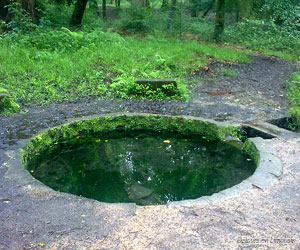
[(103, 126), (136, 19), (258, 34), (230, 73), (294, 96), (7, 105), (145, 20), (48, 65), (21, 21), (283, 12), (250, 148)]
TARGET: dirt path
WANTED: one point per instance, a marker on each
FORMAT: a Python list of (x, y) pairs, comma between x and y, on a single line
[(51, 220)]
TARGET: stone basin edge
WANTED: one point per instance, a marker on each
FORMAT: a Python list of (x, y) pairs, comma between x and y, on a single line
[(269, 167)]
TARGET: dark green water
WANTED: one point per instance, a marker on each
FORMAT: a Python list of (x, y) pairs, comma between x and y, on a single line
[(145, 170)]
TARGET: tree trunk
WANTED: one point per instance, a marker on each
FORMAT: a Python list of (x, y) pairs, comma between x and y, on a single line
[(104, 9), (220, 19), (118, 3), (93, 4), (212, 3), (172, 13), (27, 6), (165, 4), (146, 3), (79, 9), (194, 8), (243, 8), (4, 13)]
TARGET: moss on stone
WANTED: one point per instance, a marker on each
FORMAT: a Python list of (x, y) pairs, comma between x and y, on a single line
[(7, 105), (250, 148), (233, 131), (106, 125)]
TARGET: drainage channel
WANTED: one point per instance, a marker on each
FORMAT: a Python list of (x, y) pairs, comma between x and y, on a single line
[(268, 130)]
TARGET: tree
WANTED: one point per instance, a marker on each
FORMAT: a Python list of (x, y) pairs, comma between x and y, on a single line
[(172, 12), (209, 7), (30, 7), (78, 12), (118, 4), (4, 14), (141, 3), (21, 7), (104, 9), (220, 19), (194, 7), (243, 8), (165, 4)]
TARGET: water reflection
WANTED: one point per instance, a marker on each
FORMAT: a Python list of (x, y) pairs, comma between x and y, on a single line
[(146, 170)]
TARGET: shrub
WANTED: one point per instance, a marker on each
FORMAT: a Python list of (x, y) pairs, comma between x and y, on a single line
[(294, 95), (136, 19), (258, 34)]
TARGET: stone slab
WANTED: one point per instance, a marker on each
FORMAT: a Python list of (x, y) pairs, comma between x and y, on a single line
[(270, 163), (262, 179)]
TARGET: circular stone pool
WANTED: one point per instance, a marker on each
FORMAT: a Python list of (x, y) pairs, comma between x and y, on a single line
[(145, 159)]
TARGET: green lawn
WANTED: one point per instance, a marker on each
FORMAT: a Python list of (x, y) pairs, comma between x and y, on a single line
[(46, 66), (294, 95)]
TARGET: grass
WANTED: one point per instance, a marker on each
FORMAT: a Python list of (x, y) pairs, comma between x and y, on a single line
[(294, 96), (46, 66), (229, 73), (54, 64)]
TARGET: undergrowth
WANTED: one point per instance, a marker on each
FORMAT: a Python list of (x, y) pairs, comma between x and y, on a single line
[(294, 96), (54, 65)]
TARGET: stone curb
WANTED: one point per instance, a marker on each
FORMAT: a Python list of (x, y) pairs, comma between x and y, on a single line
[(268, 170)]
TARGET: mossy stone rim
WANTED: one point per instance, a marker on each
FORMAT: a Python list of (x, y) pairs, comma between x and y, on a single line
[(181, 124)]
